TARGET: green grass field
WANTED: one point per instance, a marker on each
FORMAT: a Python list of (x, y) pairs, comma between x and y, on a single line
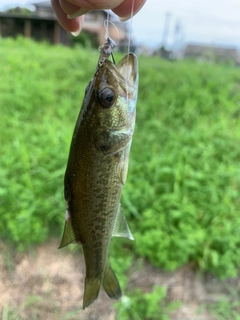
[(182, 195)]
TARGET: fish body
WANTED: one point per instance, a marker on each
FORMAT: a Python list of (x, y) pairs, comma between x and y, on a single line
[(96, 171)]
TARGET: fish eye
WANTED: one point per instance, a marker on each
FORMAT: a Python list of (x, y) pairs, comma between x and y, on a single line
[(106, 97)]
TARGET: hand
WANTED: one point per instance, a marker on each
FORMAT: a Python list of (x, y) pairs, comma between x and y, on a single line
[(75, 9)]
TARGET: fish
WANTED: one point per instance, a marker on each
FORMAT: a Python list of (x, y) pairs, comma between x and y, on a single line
[(97, 169)]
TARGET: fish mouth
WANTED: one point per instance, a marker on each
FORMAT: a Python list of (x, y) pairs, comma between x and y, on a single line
[(127, 69), (123, 76)]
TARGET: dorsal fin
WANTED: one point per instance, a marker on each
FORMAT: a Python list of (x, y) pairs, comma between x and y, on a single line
[(120, 228)]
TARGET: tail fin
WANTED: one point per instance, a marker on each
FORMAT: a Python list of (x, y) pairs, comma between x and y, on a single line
[(91, 291), (110, 283)]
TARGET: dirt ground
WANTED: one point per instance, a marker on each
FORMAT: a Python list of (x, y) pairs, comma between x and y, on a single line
[(48, 284)]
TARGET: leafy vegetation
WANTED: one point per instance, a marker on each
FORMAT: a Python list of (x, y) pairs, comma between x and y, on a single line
[(40, 97), (186, 202), (182, 193), (148, 306), (85, 39), (227, 308)]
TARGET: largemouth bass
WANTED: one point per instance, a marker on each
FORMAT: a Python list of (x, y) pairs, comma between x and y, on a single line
[(96, 171)]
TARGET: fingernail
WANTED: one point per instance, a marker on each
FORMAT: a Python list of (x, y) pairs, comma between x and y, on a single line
[(76, 33), (80, 12), (123, 19), (80, 21)]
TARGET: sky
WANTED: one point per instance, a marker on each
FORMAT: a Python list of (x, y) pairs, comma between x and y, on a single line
[(211, 22), (214, 22)]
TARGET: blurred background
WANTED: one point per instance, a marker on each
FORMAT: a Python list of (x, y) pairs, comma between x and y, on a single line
[(180, 27), (182, 195)]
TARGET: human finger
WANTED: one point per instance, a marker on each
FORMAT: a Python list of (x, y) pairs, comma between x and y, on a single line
[(96, 4), (123, 8), (128, 8), (71, 25), (85, 7), (68, 7)]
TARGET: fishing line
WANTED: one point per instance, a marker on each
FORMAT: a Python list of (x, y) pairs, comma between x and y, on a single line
[(128, 51), (130, 29), (106, 26)]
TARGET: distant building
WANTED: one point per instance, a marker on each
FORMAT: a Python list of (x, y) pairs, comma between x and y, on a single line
[(38, 25), (211, 53), (164, 53), (42, 25)]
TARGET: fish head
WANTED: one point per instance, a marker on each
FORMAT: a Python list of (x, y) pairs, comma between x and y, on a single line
[(109, 107), (115, 90)]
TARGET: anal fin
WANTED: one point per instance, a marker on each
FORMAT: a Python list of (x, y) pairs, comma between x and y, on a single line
[(120, 228)]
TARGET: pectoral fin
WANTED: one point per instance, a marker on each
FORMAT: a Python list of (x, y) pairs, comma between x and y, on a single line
[(122, 167), (122, 170), (68, 234), (120, 228)]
